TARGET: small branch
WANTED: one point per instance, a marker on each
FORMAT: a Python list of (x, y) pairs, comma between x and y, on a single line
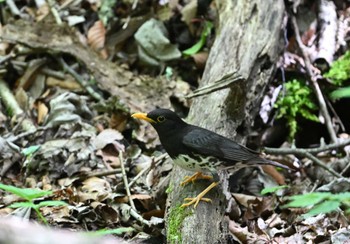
[(12, 6), (53, 73), (138, 217), (125, 179), (13, 138), (54, 12), (80, 80), (307, 152), (346, 160), (11, 105), (101, 173), (222, 83), (312, 77), (322, 165), (336, 117), (285, 151), (147, 168)]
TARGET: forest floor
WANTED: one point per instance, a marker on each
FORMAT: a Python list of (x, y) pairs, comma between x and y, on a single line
[(71, 156)]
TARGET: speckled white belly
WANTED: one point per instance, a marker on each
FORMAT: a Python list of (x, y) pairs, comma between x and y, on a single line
[(190, 164)]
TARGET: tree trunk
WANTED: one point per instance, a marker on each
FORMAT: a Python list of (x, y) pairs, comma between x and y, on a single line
[(245, 53)]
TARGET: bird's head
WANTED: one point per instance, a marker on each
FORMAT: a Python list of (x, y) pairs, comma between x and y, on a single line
[(163, 120)]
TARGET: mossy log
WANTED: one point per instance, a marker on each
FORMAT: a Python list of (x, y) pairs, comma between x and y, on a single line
[(247, 47)]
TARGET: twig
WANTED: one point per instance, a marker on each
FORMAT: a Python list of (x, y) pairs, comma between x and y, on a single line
[(54, 12), (11, 104), (101, 173), (13, 138), (322, 165), (222, 83), (138, 217), (53, 73), (134, 4), (346, 160), (65, 4), (14, 10), (285, 151), (147, 168), (318, 92), (80, 80), (307, 152), (7, 57), (335, 115), (125, 179)]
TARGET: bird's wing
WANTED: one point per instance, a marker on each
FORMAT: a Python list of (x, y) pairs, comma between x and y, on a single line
[(207, 142)]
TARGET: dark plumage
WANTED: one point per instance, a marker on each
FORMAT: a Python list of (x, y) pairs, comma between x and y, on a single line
[(198, 149)]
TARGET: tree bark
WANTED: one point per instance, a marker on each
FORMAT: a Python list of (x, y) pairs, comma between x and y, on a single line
[(248, 44)]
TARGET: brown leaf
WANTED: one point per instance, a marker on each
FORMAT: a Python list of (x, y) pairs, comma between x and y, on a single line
[(200, 59), (94, 189), (97, 37), (272, 171), (42, 112), (67, 84)]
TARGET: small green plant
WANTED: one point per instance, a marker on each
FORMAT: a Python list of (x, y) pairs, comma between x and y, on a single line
[(319, 202), (338, 74), (198, 46), (297, 101), (273, 189), (29, 195), (340, 70), (117, 231), (105, 11)]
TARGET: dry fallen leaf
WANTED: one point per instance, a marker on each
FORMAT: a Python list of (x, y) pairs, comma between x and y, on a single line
[(97, 37), (94, 189), (42, 112)]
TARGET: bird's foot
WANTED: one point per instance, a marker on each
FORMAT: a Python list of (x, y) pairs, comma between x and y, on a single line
[(200, 197), (194, 200), (194, 177)]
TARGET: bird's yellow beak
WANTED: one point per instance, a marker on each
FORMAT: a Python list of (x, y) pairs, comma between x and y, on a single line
[(142, 116)]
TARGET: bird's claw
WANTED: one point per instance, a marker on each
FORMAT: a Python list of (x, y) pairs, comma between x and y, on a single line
[(195, 201), (194, 177)]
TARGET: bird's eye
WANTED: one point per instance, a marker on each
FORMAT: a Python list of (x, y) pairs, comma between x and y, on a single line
[(160, 119)]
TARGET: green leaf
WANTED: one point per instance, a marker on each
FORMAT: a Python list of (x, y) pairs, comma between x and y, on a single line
[(272, 189), (324, 207), (22, 205), (117, 231), (340, 93), (30, 150), (309, 199), (51, 204), (198, 46), (26, 193), (345, 196)]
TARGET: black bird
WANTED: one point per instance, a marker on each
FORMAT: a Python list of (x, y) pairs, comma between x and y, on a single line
[(197, 149)]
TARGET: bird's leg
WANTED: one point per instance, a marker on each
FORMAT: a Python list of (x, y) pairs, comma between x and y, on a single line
[(200, 197), (194, 177)]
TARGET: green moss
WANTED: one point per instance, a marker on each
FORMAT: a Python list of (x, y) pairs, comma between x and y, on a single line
[(340, 70), (169, 189), (296, 101), (176, 217)]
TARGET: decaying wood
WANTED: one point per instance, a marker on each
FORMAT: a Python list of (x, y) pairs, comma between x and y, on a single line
[(248, 44), (138, 93), (327, 21)]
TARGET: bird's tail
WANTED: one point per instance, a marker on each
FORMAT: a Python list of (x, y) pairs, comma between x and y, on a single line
[(263, 161)]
